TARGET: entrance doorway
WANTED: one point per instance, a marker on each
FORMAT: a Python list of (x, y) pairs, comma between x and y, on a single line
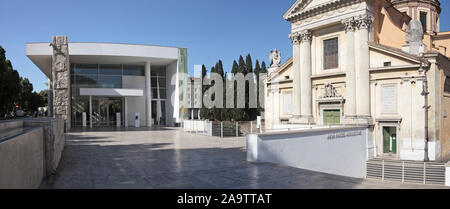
[(390, 140), (104, 111)]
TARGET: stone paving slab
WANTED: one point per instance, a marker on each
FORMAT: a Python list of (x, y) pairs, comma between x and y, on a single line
[(168, 158)]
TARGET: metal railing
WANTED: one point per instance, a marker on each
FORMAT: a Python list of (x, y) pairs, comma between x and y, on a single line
[(406, 171), (222, 129)]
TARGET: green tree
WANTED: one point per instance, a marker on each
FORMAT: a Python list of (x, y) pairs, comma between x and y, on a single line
[(9, 84), (257, 72), (26, 94)]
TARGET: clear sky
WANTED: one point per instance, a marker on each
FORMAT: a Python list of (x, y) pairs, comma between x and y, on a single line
[(210, 29)]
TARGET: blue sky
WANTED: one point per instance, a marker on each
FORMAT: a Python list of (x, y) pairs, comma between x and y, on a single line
[(210, 29)]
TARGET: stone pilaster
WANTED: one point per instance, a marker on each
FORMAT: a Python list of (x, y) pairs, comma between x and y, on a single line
[(61, 80), (349, 66), (306, 70), (364, 24), (296, 39)]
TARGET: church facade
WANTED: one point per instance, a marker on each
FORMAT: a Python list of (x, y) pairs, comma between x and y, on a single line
[(366, 63)]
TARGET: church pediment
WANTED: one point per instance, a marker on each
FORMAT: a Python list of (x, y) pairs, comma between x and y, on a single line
[(308, 7), (396, 57)]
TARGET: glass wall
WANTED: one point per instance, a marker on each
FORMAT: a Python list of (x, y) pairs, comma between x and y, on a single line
[(98, 76), (110, 76), (159, 77)]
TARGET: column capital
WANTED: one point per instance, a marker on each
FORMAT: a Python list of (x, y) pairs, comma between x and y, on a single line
[(295, 38), (306, 35), (350, 24), (364, 21)]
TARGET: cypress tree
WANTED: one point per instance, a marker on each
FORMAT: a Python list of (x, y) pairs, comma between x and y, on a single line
[(263, 67), (257, 71)]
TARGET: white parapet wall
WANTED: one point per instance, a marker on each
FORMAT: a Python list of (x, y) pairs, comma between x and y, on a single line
[(340, 151), (447, 174)]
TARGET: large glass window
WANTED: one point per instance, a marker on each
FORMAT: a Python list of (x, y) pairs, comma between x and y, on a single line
[(86, 69), (106, 81), (423, 20), (110, 69), (133, 70), (331, 53)]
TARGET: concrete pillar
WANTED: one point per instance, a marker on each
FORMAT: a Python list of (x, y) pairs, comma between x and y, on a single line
[(125, 120), (148, 94), (305, 83), (349, 66), (90, 111), (61, 79), (296, 111), (364, 23)]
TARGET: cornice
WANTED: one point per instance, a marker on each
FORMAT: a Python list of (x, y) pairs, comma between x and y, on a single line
[(319, 9)]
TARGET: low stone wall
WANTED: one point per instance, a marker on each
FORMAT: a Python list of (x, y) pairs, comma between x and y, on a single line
[(339, 151), (22, 160), (10, 124), (30, 150), (54, 139)]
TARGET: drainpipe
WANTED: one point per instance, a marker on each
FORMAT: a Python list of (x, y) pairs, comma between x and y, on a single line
[(426, 106)]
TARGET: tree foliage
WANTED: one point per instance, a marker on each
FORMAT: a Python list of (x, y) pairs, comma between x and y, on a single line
[(15, 90), (243, 66)]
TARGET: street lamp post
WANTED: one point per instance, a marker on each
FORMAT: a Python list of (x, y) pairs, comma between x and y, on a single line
[(426, 106)]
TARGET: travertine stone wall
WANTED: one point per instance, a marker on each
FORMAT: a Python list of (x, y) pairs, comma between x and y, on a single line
[(54, 140), (61, 79)]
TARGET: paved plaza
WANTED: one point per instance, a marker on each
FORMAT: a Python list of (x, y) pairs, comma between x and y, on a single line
[(168, 158)]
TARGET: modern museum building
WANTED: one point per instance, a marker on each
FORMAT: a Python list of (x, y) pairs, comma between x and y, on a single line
[(111, 84)]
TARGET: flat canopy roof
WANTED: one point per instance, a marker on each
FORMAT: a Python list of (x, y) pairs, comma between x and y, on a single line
[(111, 92), (102, 53)]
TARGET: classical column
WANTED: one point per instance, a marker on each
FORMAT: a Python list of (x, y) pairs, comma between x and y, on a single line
[(364, 23), (305, 77), (148, 95), (350, 80), (296, 111)]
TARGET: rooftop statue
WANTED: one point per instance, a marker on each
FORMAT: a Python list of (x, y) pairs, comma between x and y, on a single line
[(414, 36), (275, 58)]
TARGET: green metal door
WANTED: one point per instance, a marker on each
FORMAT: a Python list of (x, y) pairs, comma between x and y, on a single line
[(386, 140), (394, 143), (331, 117), (390, 140)]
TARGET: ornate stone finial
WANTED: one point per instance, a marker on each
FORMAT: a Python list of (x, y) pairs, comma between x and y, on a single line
[(295, 38), (364, 21), (330, 91), (275, 58), (306, 35), (349, 24)]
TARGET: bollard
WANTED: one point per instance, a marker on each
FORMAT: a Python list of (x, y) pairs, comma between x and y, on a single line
[(221, 129), (237, 129), (251, 127)]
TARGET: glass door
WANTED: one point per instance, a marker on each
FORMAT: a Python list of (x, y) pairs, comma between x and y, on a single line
[(104, 111)]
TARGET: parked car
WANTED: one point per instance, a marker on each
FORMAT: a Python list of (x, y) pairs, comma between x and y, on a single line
[(20, 113)]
